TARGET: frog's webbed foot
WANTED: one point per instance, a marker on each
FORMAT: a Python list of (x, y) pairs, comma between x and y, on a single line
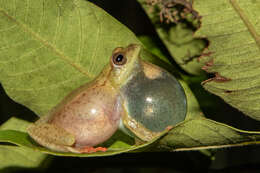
[(51, 136)]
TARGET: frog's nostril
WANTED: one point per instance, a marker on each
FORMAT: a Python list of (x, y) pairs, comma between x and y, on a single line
[(132, 45), (134, 48)]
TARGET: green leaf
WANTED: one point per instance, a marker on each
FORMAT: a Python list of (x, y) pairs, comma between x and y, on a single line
[(51, 50), (15, 156), (22, 139), (198, 132), (193, 109), (50, 47), (15, 124), (233, 28), (178, 39), (19, 157), (150, 44), (156, 56), (202, 133)]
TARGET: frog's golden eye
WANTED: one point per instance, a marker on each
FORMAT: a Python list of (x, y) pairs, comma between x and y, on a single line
[(119, 59)]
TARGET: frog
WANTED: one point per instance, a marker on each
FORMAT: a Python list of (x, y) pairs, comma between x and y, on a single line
[(131, 95)]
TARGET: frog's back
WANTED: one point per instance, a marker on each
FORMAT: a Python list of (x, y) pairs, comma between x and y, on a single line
[(155, 99)]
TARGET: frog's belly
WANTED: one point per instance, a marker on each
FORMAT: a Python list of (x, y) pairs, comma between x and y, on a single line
[(155, 103), (92, 119)]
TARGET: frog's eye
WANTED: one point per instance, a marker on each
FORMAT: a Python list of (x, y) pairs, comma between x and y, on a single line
[(119, 59)]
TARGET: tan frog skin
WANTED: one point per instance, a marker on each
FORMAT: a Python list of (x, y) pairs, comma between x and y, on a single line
[(92, 113)]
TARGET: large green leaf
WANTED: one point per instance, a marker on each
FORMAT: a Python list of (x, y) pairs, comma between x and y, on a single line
[(233, 28), (51, 50), (178, 39), (50, 47), (15, 156), (201, 133)]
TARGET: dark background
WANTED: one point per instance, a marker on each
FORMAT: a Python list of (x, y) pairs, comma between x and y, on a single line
[(238, 159)]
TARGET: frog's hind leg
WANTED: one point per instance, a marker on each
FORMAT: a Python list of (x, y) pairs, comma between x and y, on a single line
[(52, 137)]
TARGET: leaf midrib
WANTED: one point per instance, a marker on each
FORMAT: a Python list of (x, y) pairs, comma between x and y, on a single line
[(246, 21), (46, 44)]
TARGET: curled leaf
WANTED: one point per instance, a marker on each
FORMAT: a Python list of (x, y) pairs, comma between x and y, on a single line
[(232, 28), (176, 35)]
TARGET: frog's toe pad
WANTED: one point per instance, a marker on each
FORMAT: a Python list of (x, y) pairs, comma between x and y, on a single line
[(92, 149)]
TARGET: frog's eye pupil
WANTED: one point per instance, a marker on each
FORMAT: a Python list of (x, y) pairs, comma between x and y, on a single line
[(119, 59)]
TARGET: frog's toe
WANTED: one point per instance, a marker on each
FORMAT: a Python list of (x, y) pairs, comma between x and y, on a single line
[(88, 149), (168, 128)]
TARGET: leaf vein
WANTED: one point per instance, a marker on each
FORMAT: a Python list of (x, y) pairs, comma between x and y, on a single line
[(218, 132), (244, 52), (78, 57), (25, 54), (6, 29), (58, 24), (34, 70), (53, 86), (239, 46), (192, 138), (217, 23), (97, 40), (42, 16), (214, 13), (246, 21), (14, 45), (47, 44), (27, 10), (225, 89), (227, 34)]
